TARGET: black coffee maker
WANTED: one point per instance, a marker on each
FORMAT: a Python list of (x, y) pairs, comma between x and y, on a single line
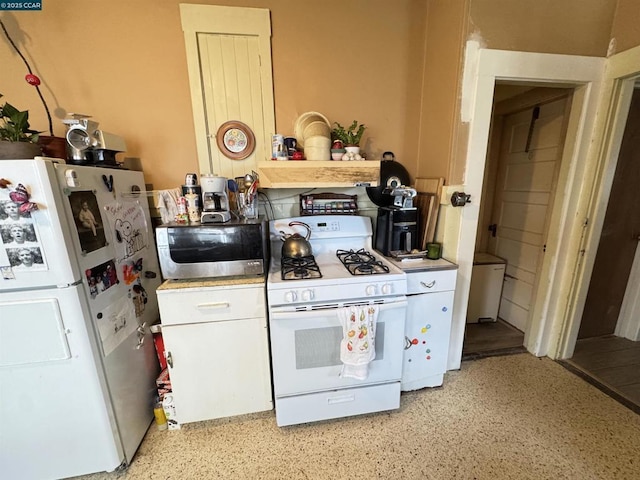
[(397, 224), (397, 221)]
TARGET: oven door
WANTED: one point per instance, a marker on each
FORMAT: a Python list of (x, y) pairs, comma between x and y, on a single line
[(305, 348)]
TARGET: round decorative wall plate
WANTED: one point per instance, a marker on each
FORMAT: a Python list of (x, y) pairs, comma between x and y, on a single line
[(235, 140)]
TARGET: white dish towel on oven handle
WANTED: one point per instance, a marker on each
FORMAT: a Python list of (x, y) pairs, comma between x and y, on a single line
[(358, 345)]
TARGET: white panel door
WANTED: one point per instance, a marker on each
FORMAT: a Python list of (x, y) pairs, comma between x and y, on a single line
[(218, 369), (231, 85), (229, 61), (530, 154)]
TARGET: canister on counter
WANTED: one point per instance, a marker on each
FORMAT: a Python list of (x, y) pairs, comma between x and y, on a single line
[(182, 216), (193, 207), (197, 189), (434, 251)]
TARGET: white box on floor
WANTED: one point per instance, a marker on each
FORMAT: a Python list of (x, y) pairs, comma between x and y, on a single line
[(486, 288)]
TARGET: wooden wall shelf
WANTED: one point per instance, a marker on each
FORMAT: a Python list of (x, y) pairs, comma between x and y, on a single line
[(318, 174)]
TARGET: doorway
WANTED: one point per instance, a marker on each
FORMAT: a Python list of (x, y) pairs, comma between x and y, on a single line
[(602, 353), (482, 69), (527, 134)]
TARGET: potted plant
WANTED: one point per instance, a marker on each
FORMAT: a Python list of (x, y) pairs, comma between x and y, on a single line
[(50, 145), (350, 137), (17, 139)]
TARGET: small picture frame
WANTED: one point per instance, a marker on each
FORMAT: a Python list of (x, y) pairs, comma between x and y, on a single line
[(235, 140)]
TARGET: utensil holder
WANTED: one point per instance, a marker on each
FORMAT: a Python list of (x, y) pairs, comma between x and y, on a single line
[(247, 205)]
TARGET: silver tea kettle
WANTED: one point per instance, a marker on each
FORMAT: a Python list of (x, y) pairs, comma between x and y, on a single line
[(295, 245)]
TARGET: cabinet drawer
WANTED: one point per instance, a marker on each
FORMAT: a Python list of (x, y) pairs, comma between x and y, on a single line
[(210, 305), (337, 403), (431, 281)]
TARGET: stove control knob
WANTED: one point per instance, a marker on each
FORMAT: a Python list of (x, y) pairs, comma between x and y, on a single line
[(290, 296), (387, 289), (307, 295), (370, 290)]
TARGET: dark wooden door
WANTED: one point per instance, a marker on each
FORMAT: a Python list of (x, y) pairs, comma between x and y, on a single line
[(619, 238)]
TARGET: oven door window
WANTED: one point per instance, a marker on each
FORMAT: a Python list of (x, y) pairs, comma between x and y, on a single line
[(320, 347), (215, 243), (306, 350)]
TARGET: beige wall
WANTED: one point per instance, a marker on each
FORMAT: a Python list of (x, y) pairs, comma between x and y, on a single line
[(626, 25), (578, 27), (395, 66), (446, 34), (124, 63), (575, 27)]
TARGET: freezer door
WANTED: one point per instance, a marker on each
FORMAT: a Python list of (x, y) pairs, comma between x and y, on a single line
[(55, 415), (36, 249), (106, 221)]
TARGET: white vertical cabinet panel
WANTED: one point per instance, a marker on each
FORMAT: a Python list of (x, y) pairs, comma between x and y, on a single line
[(229, 61), (220, 369), (230, 67)]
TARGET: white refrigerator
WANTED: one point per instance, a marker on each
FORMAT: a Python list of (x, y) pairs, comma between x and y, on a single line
[(78, 274)]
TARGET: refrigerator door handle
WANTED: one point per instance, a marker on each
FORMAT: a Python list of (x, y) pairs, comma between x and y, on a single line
[(169, 359)]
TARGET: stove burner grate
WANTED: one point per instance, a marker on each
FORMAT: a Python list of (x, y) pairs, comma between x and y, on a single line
[(361, 262), (300, 268)]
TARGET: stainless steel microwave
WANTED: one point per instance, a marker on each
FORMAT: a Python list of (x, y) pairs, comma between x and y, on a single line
[(236, 247)]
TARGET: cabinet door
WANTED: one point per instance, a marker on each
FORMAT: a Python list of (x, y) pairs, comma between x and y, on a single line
[(229, 61), (218, 369), (427, 332)]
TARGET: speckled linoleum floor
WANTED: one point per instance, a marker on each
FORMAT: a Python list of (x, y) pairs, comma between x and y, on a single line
[(509, 417)]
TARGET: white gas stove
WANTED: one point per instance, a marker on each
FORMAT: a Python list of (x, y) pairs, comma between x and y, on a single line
[(331, 235), (307, 322)]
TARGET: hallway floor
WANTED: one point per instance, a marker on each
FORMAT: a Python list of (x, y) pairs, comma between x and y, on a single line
[(612, 364), (488, 339)]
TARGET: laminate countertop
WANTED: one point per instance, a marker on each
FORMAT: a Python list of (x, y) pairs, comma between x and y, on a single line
[(212, 282), (422, 264)]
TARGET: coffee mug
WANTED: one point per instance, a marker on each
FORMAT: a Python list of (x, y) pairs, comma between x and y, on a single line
[(434, 251), (290, 144)]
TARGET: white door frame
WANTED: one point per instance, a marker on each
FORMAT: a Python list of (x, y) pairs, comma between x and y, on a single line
[(483, 67), (622, 71)]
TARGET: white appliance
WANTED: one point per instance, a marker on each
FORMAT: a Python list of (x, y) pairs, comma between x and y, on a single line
[(305, 330), (487, 278), (77, 295), (430, 290)]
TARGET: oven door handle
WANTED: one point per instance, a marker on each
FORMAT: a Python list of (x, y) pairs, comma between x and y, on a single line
[(274, 314)]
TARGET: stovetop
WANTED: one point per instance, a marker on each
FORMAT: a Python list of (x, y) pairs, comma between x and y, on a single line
[(301, 268), (331, 234), (361, 262)]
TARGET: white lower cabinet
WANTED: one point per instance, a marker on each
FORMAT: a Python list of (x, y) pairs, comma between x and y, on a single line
[(427, 328), (217, 350)]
